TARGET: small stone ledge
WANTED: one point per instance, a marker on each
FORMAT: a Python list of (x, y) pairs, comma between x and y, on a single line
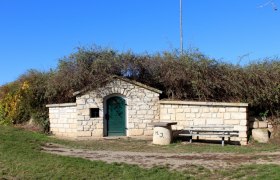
[(61, 105), (203, 103)]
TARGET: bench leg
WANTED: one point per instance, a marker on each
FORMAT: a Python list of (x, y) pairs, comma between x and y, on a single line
[(223, 141), (190, 139)]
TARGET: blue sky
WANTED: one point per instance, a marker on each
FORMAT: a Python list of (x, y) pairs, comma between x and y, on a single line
[(36, 33)]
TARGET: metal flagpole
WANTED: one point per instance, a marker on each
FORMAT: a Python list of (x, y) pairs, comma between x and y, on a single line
[(181, 29)]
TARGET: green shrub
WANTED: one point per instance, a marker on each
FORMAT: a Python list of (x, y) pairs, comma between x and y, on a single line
[(192, 76)]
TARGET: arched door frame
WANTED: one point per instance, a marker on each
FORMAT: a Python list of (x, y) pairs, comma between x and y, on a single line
[(105, 111)]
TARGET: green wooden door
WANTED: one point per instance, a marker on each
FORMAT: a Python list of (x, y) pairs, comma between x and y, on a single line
[(116, 116)]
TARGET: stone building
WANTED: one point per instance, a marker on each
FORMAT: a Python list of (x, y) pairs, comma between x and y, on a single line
[(122, 107)]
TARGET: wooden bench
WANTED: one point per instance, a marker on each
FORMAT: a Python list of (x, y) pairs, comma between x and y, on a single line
[(221, 131)]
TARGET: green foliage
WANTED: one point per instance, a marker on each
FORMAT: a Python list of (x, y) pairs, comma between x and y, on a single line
[(192, 76), (25, 98)]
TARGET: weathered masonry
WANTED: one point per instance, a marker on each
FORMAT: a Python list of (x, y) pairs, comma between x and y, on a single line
[(120, 108), (126, 108), (187, 113)]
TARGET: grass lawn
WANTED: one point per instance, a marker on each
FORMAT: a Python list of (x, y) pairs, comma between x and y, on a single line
[(21, 158)]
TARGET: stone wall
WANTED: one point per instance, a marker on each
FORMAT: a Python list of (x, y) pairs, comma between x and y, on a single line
[(141, 108), (206, 113), (63, 119)]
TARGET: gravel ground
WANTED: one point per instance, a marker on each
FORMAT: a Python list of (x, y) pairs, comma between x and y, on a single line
[(179, 161)]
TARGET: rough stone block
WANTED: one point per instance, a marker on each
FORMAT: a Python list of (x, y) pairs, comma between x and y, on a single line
[(194, 110), (227, 116), (81, 101), (255, 124), (141, 112), (149, 116), (260, 135), (142, 126), (148, 132), (240, 128), (99, 126), (206, 115), (214, 121), (73, 126), (187, 110), (80, 128), (244, 142), (179, 110), (84, 134), (242, 109), (243, 122), (180, 116), (190, 115), (243, 134), (199, 122), (232, 109), (61, 130), (131, 125), (205, 110), (214, 110), (220, 115), (262, 124), (238, 115), (97, 133), (232, 122), (165, 117), (136, 132), (222, 110)]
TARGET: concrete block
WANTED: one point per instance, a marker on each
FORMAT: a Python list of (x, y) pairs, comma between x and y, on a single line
[(260, 135), (162, 135)]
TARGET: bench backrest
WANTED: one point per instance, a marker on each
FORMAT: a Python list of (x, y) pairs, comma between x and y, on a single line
[(214, 126)]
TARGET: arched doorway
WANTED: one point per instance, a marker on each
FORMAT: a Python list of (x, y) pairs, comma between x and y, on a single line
[(116, 115)]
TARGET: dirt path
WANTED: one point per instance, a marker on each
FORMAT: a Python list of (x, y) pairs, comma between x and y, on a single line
[(211, 161)]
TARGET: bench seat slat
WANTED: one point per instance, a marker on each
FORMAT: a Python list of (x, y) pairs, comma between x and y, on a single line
[(217, 135), (210, 130), (212, 126)]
